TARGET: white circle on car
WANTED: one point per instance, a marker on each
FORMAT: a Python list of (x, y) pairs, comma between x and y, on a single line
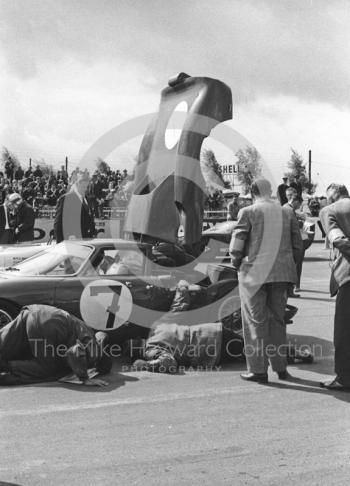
[(105, 304)]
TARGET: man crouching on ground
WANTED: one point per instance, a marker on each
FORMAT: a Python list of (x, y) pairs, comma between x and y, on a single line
[(44, 344)]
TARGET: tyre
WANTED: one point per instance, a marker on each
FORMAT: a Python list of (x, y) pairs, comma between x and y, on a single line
[(8, 312)]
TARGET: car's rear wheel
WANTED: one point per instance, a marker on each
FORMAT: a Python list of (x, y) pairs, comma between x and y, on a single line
[(8, 312)]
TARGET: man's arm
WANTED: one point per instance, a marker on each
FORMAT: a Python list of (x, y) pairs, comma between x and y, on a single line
[(239, 238), (92, 223), (76, 359), (279, 195), (297, 242), (335, 234), (27, 219)]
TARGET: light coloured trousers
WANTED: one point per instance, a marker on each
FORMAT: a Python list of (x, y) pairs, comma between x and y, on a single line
[(264, 330)]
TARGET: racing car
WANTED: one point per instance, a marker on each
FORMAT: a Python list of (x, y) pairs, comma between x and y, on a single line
[(108, 282), (12, 254), (112, 282), (216, 239)]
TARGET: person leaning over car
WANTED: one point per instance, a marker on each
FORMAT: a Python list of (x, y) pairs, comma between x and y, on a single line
[(25, 218), (44, 343)]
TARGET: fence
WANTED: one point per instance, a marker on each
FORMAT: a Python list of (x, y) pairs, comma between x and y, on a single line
[(110, 225), (115, 213)]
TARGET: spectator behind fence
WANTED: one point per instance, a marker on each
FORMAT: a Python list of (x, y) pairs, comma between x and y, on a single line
[(42, 188), (74, 215)]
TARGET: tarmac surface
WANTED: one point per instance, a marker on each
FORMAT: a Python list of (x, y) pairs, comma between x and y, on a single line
[(204, 428)]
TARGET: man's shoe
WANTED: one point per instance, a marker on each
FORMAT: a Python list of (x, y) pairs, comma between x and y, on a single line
[(334, 385), (304, 356), (297, 289), (283, 375), (258, 377)]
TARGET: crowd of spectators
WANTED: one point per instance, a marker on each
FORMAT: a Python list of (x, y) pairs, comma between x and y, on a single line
[(42, 188)]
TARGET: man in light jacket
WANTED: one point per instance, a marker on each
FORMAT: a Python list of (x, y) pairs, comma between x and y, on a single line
[(265, 246)]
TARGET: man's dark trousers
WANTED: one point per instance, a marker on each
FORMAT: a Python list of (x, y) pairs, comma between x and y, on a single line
[(342, 334)]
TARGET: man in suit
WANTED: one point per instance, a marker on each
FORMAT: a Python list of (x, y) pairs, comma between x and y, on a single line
[(6, 224), (294, 203), (74, 215), (265, 246), (44, 343), (281, 191), (25, 218), (335, 219), (297, 185), (233, 208)]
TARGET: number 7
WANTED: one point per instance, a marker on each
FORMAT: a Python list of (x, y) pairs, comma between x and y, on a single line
[(114, 307)]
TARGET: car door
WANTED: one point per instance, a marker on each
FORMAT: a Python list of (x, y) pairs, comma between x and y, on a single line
[(124, 266), (68, 293)]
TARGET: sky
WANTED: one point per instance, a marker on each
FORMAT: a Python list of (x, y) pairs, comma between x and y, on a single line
[(72, 70)]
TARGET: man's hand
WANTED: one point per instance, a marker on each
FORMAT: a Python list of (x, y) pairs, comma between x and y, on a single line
[(95, 382)]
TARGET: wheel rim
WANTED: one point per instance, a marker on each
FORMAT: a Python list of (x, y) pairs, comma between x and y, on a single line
[(5, 318)]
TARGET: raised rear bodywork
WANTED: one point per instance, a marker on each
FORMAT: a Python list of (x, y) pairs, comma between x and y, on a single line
[(169, 186)]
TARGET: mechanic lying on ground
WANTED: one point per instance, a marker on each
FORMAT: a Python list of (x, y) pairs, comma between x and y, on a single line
[(44, 344), (172, 343)]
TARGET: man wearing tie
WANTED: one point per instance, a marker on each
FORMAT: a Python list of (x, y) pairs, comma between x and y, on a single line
[(74, 216)]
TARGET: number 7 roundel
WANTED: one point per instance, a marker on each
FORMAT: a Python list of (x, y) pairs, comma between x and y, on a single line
[(105, 304)]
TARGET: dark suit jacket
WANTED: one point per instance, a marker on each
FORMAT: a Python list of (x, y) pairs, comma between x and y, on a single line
[(25, 222), (2, 219), (73, 218), (281, 193), (43, 334)]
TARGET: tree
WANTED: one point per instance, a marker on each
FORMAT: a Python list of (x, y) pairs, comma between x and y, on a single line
[(211, 171), (7, 156), (46, 168), (102, 166), (297, 167), (249, 167), (215, 201)]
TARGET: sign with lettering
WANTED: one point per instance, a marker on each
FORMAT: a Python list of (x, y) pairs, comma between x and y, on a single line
[(229, 169)]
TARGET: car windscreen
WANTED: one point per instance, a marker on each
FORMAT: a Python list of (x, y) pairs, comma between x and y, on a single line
[(66, 258)]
